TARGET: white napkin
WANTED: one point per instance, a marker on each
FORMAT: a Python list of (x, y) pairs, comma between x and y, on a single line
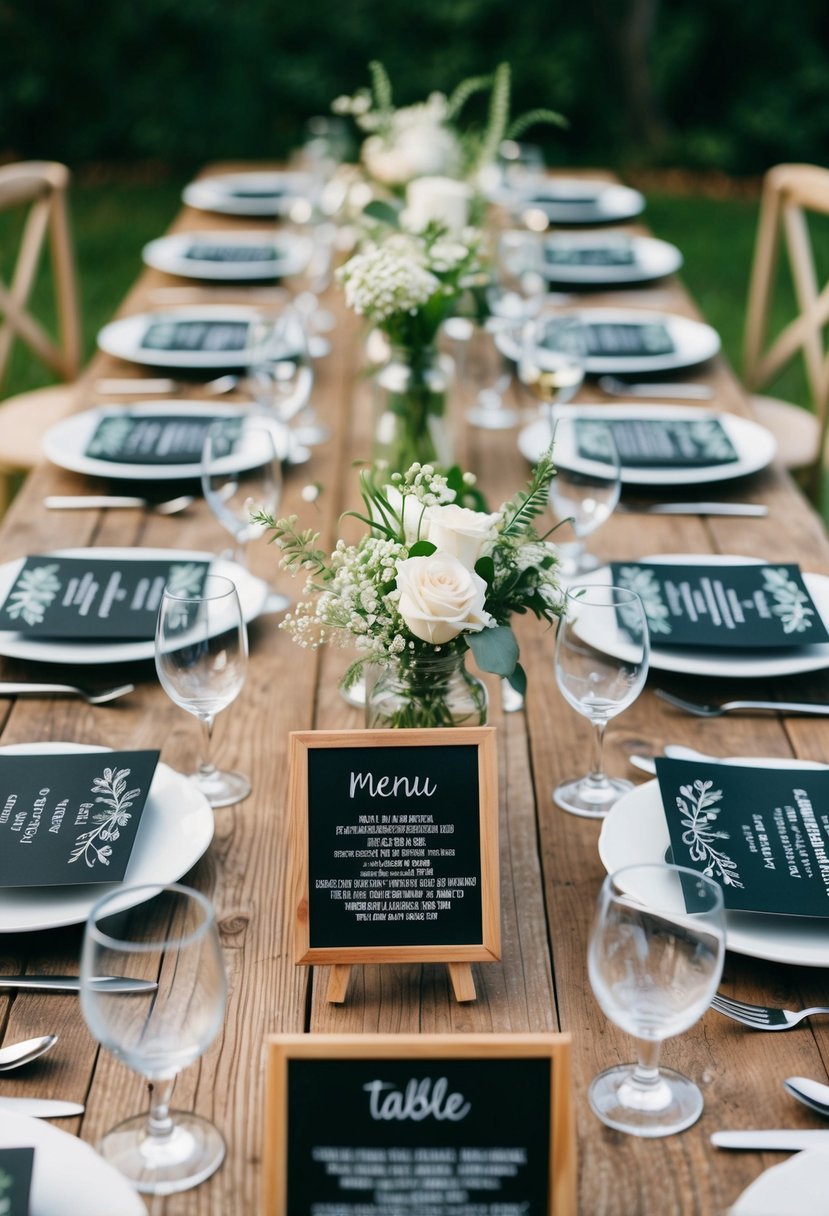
[(798, 1187), (69, 1177)]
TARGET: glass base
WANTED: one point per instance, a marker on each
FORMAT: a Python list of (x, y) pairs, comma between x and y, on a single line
[(589, 798), (669, 1105), (488, 419), (221, 788), (163, 1165)]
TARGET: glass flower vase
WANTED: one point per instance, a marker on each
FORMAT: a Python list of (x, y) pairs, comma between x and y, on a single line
[(411, 396), (423, 691)]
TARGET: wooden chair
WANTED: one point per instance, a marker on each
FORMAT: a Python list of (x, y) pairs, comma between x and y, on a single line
[(790, 193), (38, 189)]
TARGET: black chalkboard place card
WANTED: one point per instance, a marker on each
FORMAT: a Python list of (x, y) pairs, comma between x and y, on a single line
[(198, 335), (94, 597), (761, 832), (747, 606), (154, 438), (625, 339), (657, 443), (422, 1124), (16, 1165), (395, 849), (67, 819)]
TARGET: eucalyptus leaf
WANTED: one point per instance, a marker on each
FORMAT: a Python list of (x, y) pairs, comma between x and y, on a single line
[(495, 649), (422, 548), (383, 212), (518, 679)]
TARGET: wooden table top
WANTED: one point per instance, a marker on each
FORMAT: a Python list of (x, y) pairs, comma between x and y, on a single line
[(550, 866)]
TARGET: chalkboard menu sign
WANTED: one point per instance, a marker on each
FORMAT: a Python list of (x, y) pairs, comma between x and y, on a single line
[(395, 846), (373, 1125)]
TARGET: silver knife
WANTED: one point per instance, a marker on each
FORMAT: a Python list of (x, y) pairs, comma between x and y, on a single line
[(72, 983), (83, 502), (785, 1139), (759, 510), (44, 1108)]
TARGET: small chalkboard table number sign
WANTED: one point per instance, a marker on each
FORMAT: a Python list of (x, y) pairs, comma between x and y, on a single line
[(395, 850), (419, 1123)]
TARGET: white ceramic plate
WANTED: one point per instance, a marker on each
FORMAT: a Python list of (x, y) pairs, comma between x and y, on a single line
[(795, 1186), (572, 200), (68, 1178), (263, 194), (124, 338), (175, 830), (652, 259), (692, 341), (635, 832), (66, 443), (252, 595), (172, 254), (754, 445), (757, 664)]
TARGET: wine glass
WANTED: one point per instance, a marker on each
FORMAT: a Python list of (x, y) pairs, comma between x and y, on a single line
[(655, 959), (240, 473), (552, 357), (169, 938), (601, 664), (584, 491), (279, 371), (201, 654)]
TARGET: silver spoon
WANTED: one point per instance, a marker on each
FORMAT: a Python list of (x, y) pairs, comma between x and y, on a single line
[(810, 1093), (17, 1054)]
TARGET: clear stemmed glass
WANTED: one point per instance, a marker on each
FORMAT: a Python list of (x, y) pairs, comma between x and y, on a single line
[(170, 938), (585, 496), (201, 654), (655, 959), (241, 472), (280, 374), (552, 357), (601, 664)]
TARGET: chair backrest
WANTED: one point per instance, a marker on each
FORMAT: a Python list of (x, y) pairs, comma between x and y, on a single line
[(790, 193), (39, 188)]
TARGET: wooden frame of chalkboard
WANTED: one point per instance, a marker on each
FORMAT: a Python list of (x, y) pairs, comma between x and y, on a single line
[(534, 1134), (389, 901)]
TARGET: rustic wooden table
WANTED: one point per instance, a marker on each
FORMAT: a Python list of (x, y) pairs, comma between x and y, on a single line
[(550, 867)]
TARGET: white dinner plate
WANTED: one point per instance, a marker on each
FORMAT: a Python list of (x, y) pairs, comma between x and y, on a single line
[(576, 201), (262, 194), (124, 338), (635, 832), (754, 445), (252, 595), (652, 259), (173, 255), (720, 661), (796, 1187), (692, 342), (175, 830), (68, 1177), (65, 443)]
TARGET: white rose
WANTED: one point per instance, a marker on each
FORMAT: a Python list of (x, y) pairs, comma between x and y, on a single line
[(440, 598), (462, 533), (409, 510)]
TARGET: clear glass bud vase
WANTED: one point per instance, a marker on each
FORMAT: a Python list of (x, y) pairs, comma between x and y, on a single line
[(431, 690), (411, 395)]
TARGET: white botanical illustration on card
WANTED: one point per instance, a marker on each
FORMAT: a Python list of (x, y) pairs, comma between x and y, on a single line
[(111, 790), (110, 437), (695, 803), (791, 603), (35, 590), (594, 441), (646, 585), (185, 580), (711, 440), (6, 1184)]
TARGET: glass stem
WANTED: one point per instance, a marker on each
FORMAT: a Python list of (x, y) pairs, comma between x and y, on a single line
[(207, 769), (159, 1122), (646, 1075), (596, 775)]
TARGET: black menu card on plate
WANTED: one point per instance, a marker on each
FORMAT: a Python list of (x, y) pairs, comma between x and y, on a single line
[(738, 607), (625, 339), (205, 251), (69, 818), (197, 336), (761, 833), (94, 597), (155, 438), (618, 253), (16, 1165), (656, 442)]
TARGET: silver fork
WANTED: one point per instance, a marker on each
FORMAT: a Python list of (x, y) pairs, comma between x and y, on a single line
[(10, 689), (817, 709), (762, 1017)]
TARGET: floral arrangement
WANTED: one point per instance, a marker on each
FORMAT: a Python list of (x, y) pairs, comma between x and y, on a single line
[(425, 139), (430, 576)]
